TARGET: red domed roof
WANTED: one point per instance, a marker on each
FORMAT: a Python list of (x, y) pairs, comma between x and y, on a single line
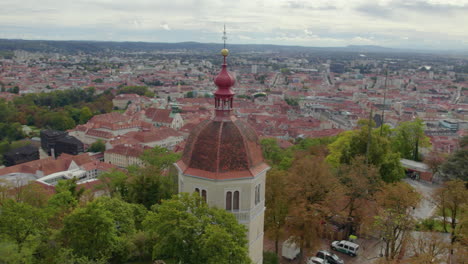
[(224, 81), (222, 149)]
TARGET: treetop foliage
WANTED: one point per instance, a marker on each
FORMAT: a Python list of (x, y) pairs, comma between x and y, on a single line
[(140, 90), (205, 234)]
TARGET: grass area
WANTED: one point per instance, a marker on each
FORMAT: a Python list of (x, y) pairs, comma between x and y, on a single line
[(431, 224), (448, 213)]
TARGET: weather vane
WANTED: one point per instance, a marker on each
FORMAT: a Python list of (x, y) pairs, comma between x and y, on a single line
[(224, 36)]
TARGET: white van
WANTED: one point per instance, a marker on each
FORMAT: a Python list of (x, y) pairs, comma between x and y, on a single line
[(289, 249), (346, 247)]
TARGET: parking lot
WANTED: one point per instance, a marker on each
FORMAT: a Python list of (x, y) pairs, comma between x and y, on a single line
[(368, 253)]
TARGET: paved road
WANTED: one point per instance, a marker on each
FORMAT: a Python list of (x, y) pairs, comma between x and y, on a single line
[(427, 207)]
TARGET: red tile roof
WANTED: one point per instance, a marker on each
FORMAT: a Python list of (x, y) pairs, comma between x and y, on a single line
[(159, 115), (224, 149), (126, 150)]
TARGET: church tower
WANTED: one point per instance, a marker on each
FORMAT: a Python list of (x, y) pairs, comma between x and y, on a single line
[(223, 162)]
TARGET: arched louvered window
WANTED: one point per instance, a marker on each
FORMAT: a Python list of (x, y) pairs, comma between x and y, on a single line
[(197, 190), (229, 201), (236, 201), (257, 194), (203, 194)]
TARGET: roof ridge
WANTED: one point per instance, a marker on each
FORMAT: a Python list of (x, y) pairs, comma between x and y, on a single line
[(219, 147), (193, 143)]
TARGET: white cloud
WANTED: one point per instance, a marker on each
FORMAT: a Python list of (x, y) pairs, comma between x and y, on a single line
[(243, 37), (165, 26), (302, 22)]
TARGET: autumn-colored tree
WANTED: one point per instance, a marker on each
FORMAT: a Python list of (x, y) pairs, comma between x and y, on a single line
[(455, 167), (428, 248), (361, 181), (434, 161), (313, 191), (32, 193), (460, 247), (395, 220), (450, 199), (277, 203)]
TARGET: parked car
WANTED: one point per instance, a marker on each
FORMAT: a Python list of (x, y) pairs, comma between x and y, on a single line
[(329, 257), (315, 260), (346, 247), (289, 249)]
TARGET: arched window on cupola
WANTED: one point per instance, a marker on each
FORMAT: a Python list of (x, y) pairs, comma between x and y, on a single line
[(203, 194), (229, 201), (236, 201), (257, 194)]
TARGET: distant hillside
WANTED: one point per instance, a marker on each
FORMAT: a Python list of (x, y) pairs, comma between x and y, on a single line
[(73, 47)]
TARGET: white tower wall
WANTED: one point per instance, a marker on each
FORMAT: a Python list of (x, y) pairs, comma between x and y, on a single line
[(251, 210)]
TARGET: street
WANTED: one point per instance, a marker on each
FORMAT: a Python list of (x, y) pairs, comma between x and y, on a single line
[(426, 207)]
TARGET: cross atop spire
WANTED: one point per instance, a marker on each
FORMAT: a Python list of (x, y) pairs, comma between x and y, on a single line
[(224, 38), (224, 95)]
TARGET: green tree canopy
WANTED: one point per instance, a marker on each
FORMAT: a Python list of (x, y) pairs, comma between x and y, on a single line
[(276, 157), (160, 157), (408, 138), (140, 90), (98, 146), (90, 231), (85, 114), (188, 231), (115, 183), (376, 149), (20, 222)]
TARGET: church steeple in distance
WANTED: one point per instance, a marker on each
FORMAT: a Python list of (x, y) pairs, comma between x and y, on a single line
[(224, 81)]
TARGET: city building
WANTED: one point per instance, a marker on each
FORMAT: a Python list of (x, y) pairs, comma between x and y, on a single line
[(20, 155), (83, 167), (450, 124), (223, 162), (125, 155), (70, 145), (163, 117), (49, 138)]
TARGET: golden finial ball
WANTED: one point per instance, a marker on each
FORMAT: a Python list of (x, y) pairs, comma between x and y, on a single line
[(224, 52)]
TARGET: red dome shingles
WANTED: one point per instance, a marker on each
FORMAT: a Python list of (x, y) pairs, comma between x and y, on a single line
[(222, 150), (187, 154), (232, 151), (204, 154), (252, 144)]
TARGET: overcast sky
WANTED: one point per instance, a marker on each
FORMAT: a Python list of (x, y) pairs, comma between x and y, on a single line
[(425, 24)]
